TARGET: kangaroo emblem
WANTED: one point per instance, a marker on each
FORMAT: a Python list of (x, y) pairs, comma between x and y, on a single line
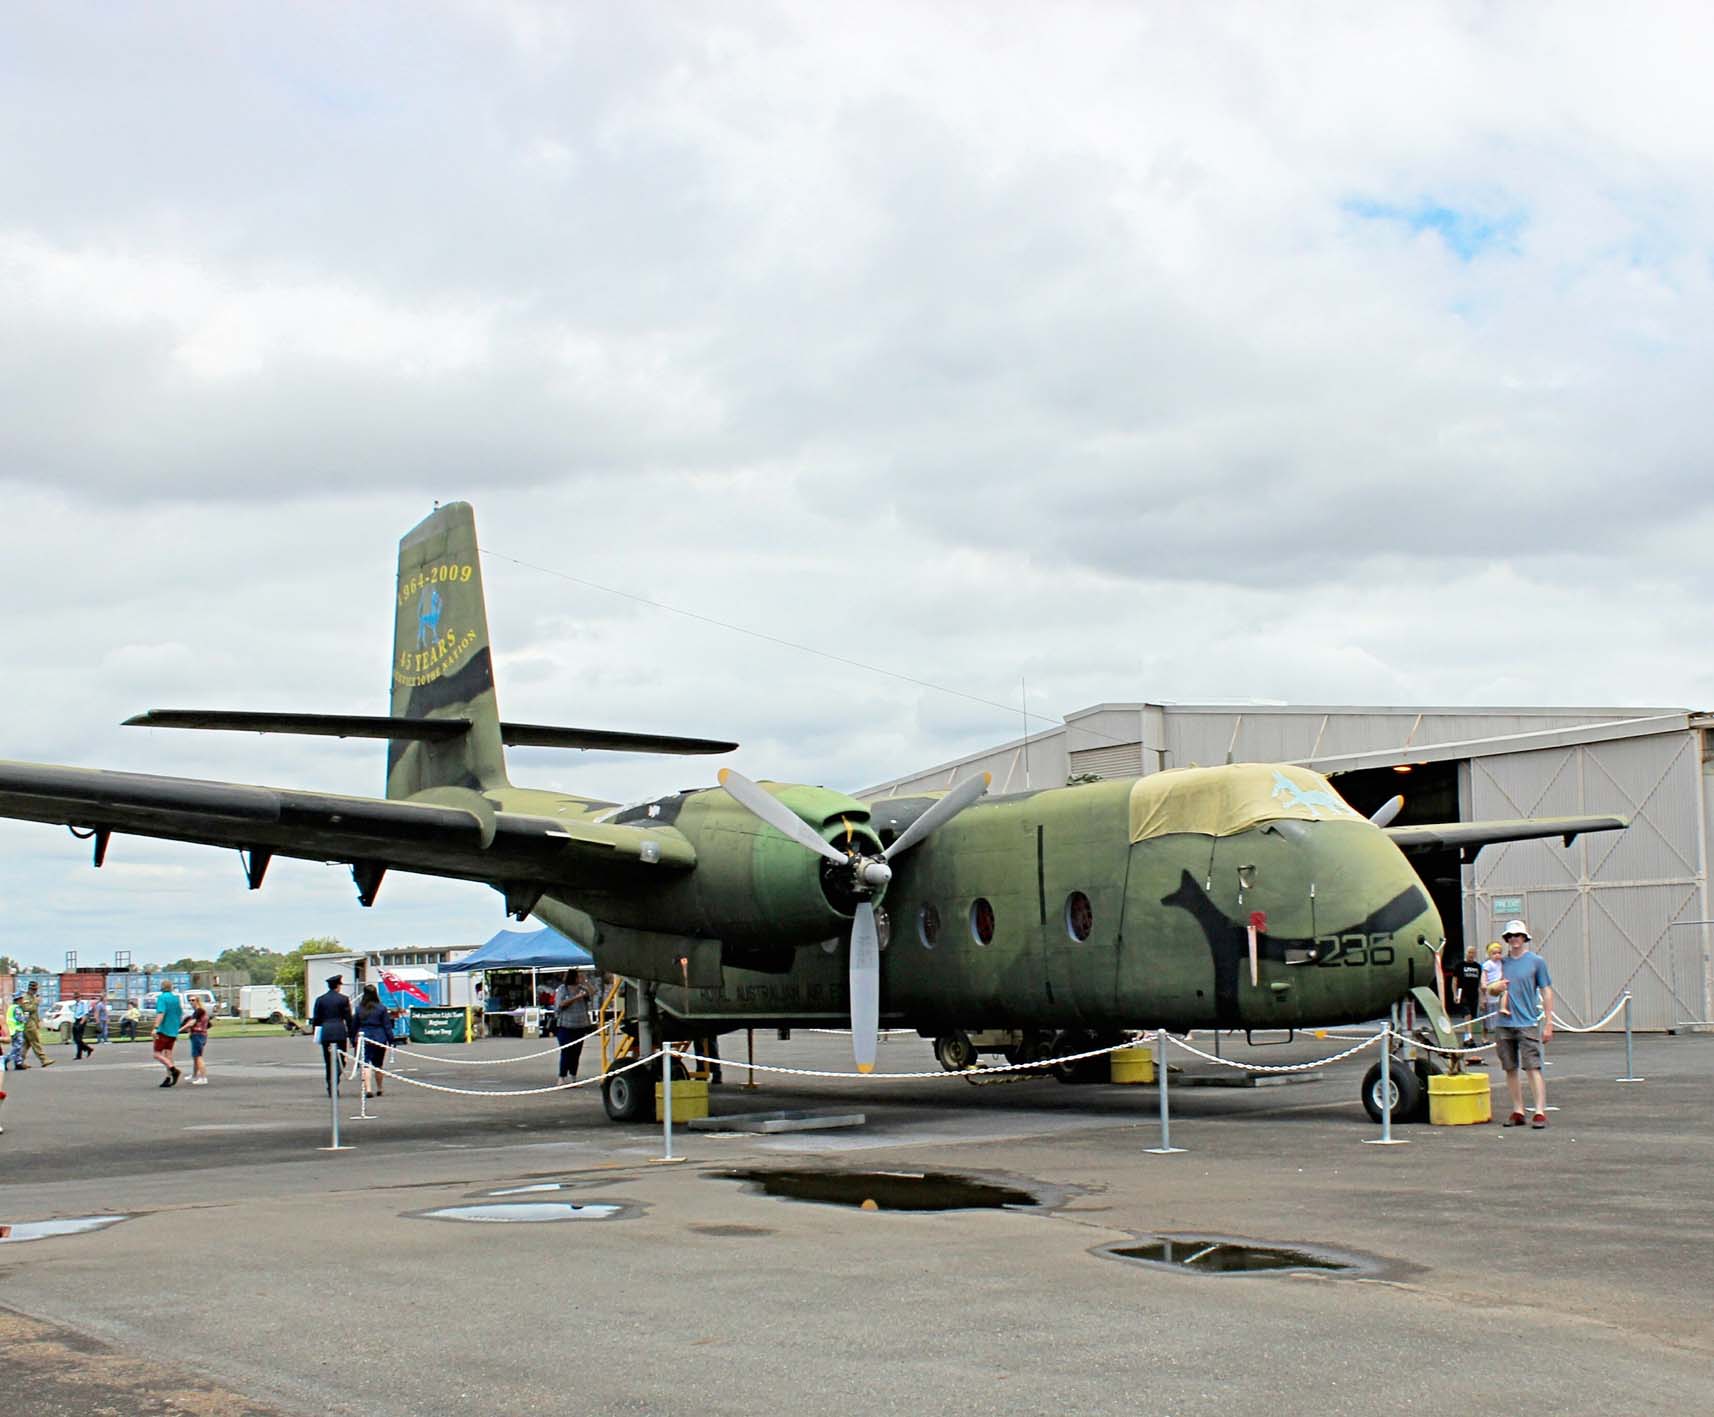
[(428, 616), (1314, 799)]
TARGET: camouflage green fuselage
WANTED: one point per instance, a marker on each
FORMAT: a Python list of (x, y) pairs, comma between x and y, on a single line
[(1348, 927)]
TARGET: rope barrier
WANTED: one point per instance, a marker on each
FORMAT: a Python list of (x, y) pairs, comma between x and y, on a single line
[(517, 1092), (499, 1062), (1610, 1015), (1368, 1042), (977, 1072)]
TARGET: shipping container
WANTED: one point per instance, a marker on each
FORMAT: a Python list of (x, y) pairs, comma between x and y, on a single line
[(82, 984), (47, 987)]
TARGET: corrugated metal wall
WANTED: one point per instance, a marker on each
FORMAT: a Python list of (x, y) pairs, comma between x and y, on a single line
[(1116, 760), (1601, 910)]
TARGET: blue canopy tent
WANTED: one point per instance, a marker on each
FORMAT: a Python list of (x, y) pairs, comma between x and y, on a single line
[(524, 949)]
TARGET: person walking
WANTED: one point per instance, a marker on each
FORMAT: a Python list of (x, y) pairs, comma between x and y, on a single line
[(200, 1023), (80, 1021), (1469, 978), (15, 1031), (30, 1006), (169, 1009), (102, 1015), (571, 1021), (1526, 989), (373, 1025), (331, 1020)]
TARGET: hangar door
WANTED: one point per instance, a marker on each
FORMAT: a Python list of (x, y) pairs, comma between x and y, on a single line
[(1601, 910)]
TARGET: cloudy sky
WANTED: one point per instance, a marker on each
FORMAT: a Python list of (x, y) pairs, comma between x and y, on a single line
[(1344, 353)]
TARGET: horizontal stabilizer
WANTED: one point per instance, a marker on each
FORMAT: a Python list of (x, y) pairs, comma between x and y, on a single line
[(538, 735), (320, 725), (423, 730), (1471, 837)]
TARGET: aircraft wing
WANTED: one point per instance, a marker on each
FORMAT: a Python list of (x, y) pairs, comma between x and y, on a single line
[(1471, 837), (459, 835)]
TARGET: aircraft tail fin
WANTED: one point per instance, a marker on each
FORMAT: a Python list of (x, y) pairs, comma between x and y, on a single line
[(442, 666)]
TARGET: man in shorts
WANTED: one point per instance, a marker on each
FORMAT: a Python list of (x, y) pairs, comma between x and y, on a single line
[(1527, 989), (171, 1010)]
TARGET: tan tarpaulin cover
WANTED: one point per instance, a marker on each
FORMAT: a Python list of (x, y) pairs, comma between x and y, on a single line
[(1220, 801)]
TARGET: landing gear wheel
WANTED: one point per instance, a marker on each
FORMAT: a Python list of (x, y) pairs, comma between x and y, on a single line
[(1083, 1070), (955, 1052), (1404, 1094), (630, 1096), (1033, 1049)]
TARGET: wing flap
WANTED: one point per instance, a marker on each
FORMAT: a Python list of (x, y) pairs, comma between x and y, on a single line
[(1471, 837)]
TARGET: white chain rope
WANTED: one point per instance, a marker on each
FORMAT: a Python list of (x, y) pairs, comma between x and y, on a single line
[(1368, 1042), (976, 1072), (1608, 1018), (516, 1092), (499, 1062)]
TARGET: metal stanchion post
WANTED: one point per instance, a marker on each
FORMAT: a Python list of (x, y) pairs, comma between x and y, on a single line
[(333, 1097), (750, 1081), (362, 1093), (1166, 1148), (667, 1105), (1630, 1064), (1388, 1092)]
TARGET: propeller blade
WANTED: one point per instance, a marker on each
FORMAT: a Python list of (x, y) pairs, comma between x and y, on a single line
[(1389, 809), (865, 986), (940, 814), (777, 815)]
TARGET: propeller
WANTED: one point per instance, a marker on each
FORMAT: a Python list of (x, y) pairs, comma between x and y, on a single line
[(870, 875), (1389, 809)]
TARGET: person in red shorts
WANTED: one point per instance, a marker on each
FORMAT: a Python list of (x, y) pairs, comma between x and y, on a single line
[(171, 1009)]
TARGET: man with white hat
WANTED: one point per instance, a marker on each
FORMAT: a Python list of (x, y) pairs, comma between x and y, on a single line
[(1527, 991)]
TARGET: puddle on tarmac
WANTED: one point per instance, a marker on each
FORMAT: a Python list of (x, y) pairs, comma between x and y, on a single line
[(520, 1212), (18, 1232), (886, 1190), (1211, 1254)]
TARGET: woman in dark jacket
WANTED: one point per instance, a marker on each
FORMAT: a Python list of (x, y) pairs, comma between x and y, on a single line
[(374, 1027)]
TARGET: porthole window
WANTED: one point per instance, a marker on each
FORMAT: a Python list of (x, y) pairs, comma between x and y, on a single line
[(981, 921), (1079, 916), (928, 926)]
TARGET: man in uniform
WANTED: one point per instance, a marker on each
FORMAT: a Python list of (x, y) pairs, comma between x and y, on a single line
[(30, 1007), (1528, 992), (331, 1019)]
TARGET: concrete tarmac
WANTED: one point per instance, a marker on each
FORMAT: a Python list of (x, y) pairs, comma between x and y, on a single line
[(1562, 1270)]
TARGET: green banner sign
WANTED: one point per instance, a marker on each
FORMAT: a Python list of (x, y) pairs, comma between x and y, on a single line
[(440, 1025), (1507, 907)]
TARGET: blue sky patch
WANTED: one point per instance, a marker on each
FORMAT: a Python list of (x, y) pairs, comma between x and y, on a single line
[(1467, 233)]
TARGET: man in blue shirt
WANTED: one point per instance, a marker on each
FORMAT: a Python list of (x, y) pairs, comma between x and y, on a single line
[(171, 1010), (1524, 995)]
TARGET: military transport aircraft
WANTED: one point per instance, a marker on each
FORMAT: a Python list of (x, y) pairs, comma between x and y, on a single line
[(1244, 896)]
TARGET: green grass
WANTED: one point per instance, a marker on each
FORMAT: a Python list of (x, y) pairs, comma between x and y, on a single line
[(223, 1028)]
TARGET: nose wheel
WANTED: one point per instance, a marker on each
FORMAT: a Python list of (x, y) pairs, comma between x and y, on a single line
[(1402, 1091)]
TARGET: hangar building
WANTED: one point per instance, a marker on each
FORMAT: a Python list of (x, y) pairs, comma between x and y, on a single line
[(1612, 911)]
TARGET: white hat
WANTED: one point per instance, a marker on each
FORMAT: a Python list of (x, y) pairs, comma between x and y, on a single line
[(1516, 927)]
